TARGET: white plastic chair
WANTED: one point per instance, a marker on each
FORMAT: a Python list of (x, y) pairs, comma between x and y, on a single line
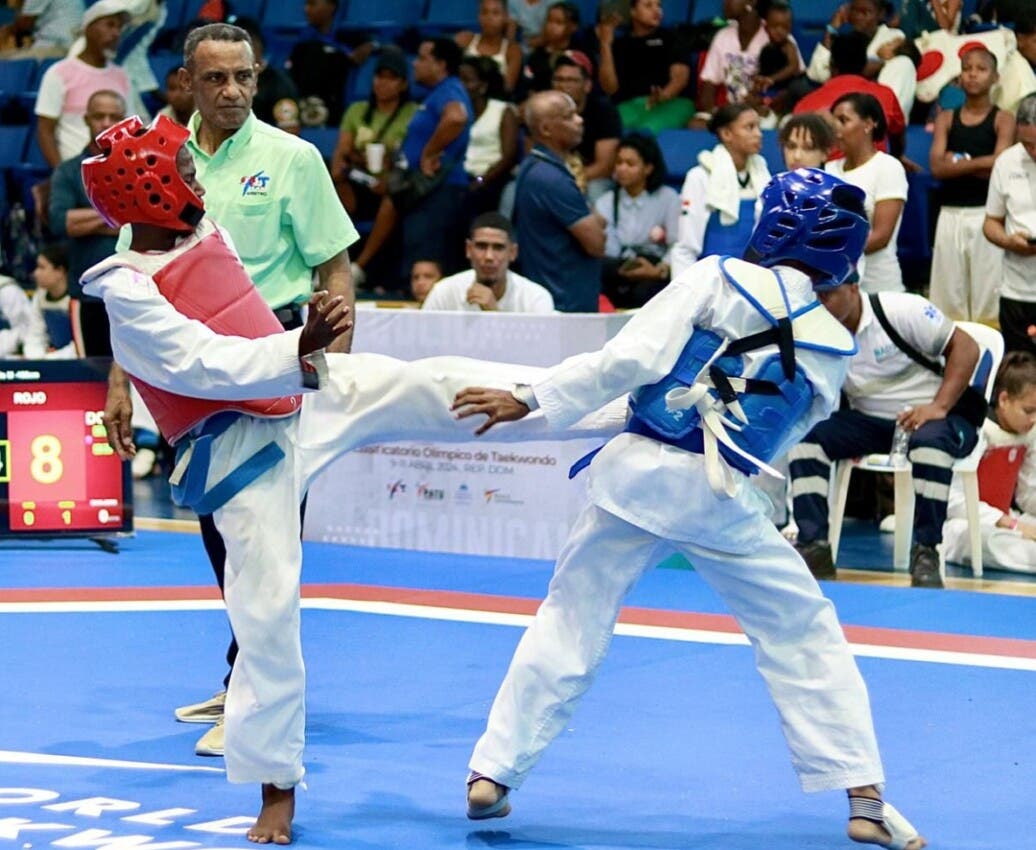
[(990, 343)]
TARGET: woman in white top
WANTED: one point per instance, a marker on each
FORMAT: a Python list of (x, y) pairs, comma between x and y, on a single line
[(859, 127), (718, 199), (492, 42), (493, 145), (642, 218)]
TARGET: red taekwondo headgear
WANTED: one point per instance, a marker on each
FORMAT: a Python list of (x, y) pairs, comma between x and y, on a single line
[(135, 180)]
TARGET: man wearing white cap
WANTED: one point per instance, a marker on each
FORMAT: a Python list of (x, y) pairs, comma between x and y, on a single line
[(67, 85)]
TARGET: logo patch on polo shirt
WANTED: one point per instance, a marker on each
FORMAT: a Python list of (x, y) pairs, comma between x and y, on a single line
[(254, 185)]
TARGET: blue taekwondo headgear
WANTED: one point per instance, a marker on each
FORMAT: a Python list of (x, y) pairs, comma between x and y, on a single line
[(813, 218)]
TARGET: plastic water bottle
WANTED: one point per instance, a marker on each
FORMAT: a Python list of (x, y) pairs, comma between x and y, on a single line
[(900, 442)]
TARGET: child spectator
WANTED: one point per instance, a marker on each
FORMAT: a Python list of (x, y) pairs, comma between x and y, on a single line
[(966, 267), (52, 300), (806, 140), (1006, 476), (424, 274), (178, 97), (642, 219), (646, 70), (559, 29), (719, 195), (859, 126), (492, 42), (779, 61)]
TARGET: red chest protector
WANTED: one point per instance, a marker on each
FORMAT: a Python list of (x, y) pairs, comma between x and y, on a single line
[(208, 283)]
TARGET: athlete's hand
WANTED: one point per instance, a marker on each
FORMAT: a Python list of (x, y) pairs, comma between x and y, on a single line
[(329, 318), (497, 405), (118, 415)]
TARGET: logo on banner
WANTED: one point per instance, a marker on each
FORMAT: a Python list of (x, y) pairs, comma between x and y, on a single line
[(463, 495), (499, 497), (430, 494), (396, 488)]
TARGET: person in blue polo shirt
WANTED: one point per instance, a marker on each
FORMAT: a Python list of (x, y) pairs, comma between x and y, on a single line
[(562, 238)]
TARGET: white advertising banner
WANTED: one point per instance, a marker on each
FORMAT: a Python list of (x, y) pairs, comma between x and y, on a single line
[(479, 498)]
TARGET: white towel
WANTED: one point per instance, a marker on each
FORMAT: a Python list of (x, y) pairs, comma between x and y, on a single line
[(723, 192)]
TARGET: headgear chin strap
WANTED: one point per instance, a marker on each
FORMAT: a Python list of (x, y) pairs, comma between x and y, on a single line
[(135, 179), (811, 218)]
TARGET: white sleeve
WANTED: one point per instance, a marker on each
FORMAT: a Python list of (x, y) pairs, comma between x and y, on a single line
[(440, 297), (642, 353), (892, 181), (154, 342), (28, 333), (50, 99), (819, 70), (996, 201), (694, 218), (671, 223), (541, 301)]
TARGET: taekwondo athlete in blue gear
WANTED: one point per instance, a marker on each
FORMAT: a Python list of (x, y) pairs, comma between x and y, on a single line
[(726, 368)]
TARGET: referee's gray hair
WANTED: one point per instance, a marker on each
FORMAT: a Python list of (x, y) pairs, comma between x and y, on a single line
[(1026, 115), (212, 32)]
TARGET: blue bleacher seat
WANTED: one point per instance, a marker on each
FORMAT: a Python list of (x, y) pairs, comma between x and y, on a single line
[(814, 10), (771, 151), (16, 75), (451, 15), (41, 69), (380, 14), (285, 16), (680, 148), (587, 12), (174, 16), (918, 144), (254, 9), (324, 138), (162, 62), (676, 12), (706, 10), (12, 145)]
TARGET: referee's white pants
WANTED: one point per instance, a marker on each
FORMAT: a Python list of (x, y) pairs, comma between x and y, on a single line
[(369, 398), (966, 267), (800, 649)]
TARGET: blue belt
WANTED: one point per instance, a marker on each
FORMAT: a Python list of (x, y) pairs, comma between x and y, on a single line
[(189, 491)]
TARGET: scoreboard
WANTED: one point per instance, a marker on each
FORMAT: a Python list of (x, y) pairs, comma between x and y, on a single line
[(58, 475)]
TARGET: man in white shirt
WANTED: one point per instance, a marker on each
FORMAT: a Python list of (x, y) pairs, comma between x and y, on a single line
[(490, 284), (885, 385)]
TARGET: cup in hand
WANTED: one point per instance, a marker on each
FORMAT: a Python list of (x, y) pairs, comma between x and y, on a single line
[(375, 157)]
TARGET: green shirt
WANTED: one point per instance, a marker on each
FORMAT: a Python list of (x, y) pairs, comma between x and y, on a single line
[(391, 136), (272, 193)]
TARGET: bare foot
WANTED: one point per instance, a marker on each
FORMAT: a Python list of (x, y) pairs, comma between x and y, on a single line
[(273, 826), (869, 832)]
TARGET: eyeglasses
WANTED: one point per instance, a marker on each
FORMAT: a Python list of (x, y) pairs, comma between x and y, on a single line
[(568, 80)]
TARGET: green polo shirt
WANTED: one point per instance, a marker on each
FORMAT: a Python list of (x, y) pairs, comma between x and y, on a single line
[(271, 191)]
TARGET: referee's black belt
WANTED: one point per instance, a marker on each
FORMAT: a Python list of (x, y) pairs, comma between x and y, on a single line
[(290, 316)]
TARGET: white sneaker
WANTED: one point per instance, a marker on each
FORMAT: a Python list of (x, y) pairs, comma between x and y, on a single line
[(210, 711), (211, 743), (143, 463), (888, 525)]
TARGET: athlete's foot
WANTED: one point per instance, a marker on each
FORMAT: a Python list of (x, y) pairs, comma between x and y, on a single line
[(868, 832), (487, 799), (273, 826), (873, 821)]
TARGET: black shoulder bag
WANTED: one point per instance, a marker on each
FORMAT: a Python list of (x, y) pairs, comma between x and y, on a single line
[(972, 404)]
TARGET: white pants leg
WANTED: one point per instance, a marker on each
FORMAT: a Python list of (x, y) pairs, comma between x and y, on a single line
[(802, 655), (265, 708), (966, 267), (986, 267), (559, 654)]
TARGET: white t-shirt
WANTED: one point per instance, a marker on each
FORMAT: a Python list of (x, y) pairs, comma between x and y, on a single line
[(66, 88), (726, 64), (1012, 197), (819, 69), (521, 295), (882, 378), (883, 178)]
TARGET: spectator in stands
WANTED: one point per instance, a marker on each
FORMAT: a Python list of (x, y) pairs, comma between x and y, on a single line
[(883, 380), (320, 64), (719, 194), (1011, 224), (1025, 32), (51, 300), (559, 29), (276, 98), (848, 57), (646, 70), (22, 332), (527, 18), (779, 61), (806, 140), (1006, 476), (859, 127), (602, 126), (435, 144), (493, 147), (381, 119), (67, 84), (642, 219), (88, 238), (49, 23), (492, 42), (424, 274), (917, 17), (732, 62), (562, 239), (179, 99), (489, 284), (966, 267), (864, 17)]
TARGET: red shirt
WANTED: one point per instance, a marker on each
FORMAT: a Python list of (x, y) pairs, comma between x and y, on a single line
[(824, 98)]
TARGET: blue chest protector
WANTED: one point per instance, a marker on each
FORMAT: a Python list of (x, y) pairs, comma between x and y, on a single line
[(729, 239), (706, 398)]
